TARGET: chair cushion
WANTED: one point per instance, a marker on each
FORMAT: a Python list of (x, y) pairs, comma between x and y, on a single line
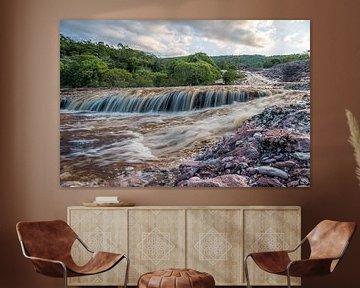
[(176, 278)]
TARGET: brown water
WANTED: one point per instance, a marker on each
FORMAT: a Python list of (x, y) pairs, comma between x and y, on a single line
[(141, 149)]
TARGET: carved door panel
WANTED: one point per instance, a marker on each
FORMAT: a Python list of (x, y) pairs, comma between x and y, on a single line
[(214, 244), (270, 230), (156, 240), (101, 230)]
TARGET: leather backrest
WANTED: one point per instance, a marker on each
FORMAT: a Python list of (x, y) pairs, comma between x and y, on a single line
[(46, 239), (329, 238)]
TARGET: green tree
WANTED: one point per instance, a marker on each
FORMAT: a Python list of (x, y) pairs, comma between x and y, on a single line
[(143, 78), (116, 77), (195, 73), (161, 79), (230, 76), (201, 57), (83, 71)]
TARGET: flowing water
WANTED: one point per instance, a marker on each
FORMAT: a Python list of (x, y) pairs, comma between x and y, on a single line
[(108, 136)]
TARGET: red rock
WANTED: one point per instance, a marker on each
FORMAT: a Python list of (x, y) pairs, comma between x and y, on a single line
[(284, 164), (231, 180), (249, 152), (302, 143), (301, 172), (266, 182), (293, 183)]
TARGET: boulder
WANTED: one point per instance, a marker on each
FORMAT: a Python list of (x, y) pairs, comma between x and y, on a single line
[(301, 156), (269, 182), (272, 171), (232, 180)]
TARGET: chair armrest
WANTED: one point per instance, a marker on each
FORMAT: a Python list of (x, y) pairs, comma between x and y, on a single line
[(48, 267), (268, 253), (298, 246), (83, 244), (309, 267), (45, 260)]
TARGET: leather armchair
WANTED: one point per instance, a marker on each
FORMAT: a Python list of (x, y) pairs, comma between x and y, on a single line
[(48, 245), (328, 242)]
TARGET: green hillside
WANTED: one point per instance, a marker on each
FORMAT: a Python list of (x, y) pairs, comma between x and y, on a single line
[(90, 64)]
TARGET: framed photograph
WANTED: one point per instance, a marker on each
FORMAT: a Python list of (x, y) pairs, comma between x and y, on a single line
[(185, 103)]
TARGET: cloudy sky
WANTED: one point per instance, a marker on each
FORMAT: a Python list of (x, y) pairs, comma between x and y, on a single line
[(183, 37)]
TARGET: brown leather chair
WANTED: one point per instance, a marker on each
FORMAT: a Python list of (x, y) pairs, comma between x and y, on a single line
[(48, 245), (328, 242)]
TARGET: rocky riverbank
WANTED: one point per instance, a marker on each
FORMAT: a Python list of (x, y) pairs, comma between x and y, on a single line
[(290, 76), (271, 149)]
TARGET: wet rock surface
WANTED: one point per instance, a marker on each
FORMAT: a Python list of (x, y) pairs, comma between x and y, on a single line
[(271, 149), (295, 71), (289, 76)]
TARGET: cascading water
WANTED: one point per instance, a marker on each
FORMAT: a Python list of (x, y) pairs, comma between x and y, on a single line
[(135, 137), (172, 101)]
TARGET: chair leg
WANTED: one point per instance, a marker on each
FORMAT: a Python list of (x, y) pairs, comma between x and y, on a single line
[(127, 271), (65, 276), (246, 270), (288, 278)]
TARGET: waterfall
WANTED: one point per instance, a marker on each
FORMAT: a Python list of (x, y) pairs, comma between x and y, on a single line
[(169, 101)]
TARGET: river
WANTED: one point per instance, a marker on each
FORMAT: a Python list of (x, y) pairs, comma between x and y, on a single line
[(137, 137)]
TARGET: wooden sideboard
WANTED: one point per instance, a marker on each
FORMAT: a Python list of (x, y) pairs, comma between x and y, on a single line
[(211, 239)]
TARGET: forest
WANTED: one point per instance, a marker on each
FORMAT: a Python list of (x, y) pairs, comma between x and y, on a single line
[(97, 64)]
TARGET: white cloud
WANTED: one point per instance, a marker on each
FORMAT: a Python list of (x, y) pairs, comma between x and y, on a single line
[(181, 37)]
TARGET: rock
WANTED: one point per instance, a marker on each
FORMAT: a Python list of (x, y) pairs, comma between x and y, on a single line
[(273, 172), (301, 156), (302, 143), (272, 182), (231, 180), (293, 183), (268, 161), (304, 181), (243, 165), (74, 184), (279, 157), (65, 176), (284, 164), (301, 172), (249, 152), (251, 171), (190, 167), (295, 71), (257, 136), (227, 166), (267, 149)]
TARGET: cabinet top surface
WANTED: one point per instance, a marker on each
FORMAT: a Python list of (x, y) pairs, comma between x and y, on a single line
[(192, 207)]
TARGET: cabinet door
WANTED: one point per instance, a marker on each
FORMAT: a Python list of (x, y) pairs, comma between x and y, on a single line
[(156, 240), (101, 230), (270, 230), (214, 244)]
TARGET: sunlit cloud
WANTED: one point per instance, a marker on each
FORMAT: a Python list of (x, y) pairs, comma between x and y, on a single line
[(182, 37)]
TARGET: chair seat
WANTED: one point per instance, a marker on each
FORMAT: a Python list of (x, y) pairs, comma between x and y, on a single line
[(99, 262), (272, 262)]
